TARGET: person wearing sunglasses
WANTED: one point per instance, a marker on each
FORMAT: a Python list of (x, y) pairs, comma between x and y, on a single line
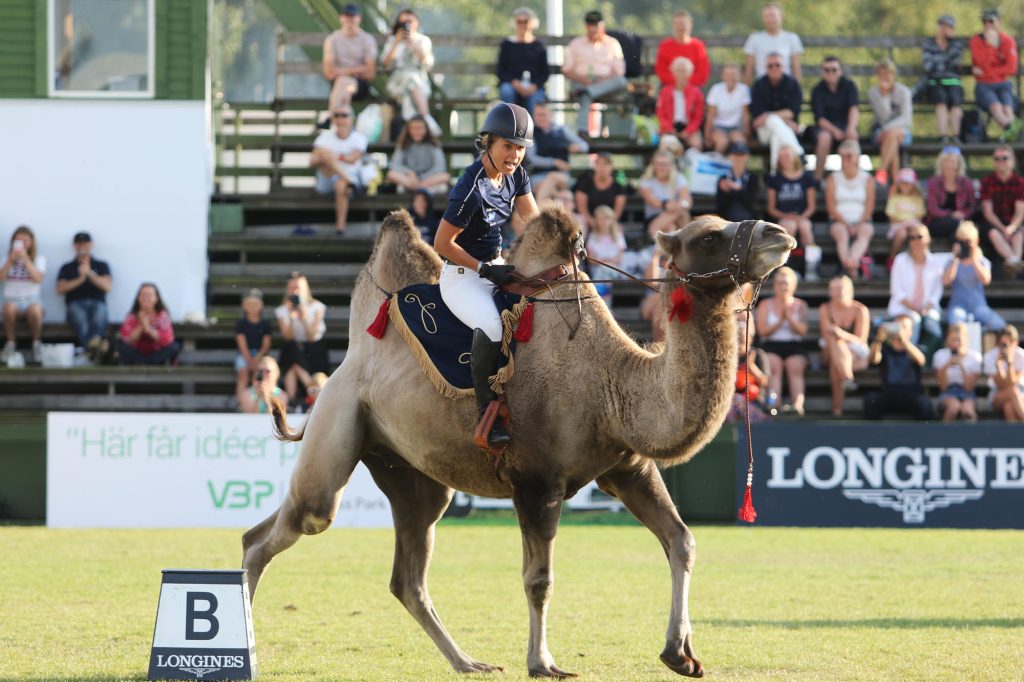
[(337, 155), (994, 65), (1002, 207), (915, 288), (523, 62), (836, 112), (775, 102), (941, 57)]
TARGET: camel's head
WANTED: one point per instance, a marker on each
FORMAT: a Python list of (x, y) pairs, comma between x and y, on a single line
[(550, 238), (705, 246)]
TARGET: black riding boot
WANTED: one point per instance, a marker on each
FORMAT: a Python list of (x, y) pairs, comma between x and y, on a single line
[(482, 364)]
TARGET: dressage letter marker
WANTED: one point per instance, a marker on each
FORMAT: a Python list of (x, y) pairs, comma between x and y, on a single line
[(203, 627)]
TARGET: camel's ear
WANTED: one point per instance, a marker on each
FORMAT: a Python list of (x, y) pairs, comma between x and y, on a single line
[(668, 242)]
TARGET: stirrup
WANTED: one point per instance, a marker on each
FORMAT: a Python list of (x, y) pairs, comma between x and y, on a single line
[(483, 437)]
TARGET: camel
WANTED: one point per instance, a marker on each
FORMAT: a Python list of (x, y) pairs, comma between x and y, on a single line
[(597, 407)]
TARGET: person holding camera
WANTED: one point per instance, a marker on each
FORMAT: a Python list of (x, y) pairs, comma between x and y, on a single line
[(254, 399), (301, 319), (968, 273), (1004, 366), (22, 274), (956, 369), (900, 362), (409, 55), (480, 205)]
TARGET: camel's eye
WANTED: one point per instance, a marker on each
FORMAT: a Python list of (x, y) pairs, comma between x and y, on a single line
[(708, 239)]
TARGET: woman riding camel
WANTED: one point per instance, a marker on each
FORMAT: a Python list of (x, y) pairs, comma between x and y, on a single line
[(469, 238)]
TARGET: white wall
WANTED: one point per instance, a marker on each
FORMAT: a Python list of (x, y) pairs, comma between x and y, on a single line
[(136, 175)]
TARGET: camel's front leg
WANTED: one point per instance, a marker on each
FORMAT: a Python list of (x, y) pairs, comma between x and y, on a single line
[(642, 490), (539, 505)]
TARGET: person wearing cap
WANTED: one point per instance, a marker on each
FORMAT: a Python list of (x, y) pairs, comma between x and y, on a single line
[(760, 45), (409, 56), (682, 44), (253, 335), (834, 102), (904, 208), (480, 206), (523, 62), (595, 64), (350, 59), (894, 118), (84, 282), (994, 65), (680, 106), (941, 57), (737, 189), (337, 157)]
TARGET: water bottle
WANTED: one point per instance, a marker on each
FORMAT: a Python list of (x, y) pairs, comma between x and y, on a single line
[(525, 80), (620, 177)]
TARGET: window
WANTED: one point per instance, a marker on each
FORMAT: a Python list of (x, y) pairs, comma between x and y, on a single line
[(101, 48)]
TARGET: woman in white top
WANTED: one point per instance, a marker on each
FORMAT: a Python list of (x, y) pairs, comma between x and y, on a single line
[(850, 200), (728, 110), (782, 324), (844, 324), (915, 286), (666, 195), (956, 369), (409, 56), (301, 319), (1004, 366), (22, 273)]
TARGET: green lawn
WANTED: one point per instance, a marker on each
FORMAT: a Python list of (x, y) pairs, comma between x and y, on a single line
[(767, 604)]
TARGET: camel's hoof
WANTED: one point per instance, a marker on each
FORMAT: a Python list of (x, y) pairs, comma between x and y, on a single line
[(552, 671), (682, 664), (478, 667)]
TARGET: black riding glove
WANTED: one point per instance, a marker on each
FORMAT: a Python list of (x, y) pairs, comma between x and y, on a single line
[(499, 274)]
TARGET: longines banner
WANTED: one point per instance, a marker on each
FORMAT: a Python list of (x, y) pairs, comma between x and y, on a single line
[(150, 470), (887, 474)]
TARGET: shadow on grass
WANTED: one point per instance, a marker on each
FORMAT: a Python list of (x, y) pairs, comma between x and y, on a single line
[(881, 623)]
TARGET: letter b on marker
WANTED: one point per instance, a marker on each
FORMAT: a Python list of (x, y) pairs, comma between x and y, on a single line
[(192, 614)]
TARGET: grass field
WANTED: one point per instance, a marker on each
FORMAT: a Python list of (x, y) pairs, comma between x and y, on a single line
[(767, 604)]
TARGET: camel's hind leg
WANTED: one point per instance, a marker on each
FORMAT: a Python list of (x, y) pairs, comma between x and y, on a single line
[(643, 491), (331, 448), (417, 502)]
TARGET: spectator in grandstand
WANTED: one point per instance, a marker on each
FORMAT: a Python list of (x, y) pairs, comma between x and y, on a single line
[(84, 282), (253, 398), (915, 287), (751, 366), (950, 193), (599, 188), (300, 318), (523, 62), (782, 324), (836, 111), (567, 200), (994, 64), (941, 56), (548, 158), (680, 106), (596, 66), (850, 200), (792, 196), (146, 336), (350, 59), (666, 195), (682, 44), (761, 45), (775, 102), (737, 189), (409, 56), (22, 274), (900, 362), (313, 391), (956, 369), (1002, 208), (904, 208), (337, 155), (418, 161), (844, 325), (605, 242), (894, 119), (728, 110), (652, 308), (1004, 366), (253, 335), (424, 217), (968, 273)]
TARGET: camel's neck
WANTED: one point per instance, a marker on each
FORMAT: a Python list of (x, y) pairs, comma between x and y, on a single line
[(683, 394)]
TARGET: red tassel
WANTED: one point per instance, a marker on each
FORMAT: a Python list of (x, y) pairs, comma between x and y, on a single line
[(747, 511), (380, 323), (682, 305), (524, 330)]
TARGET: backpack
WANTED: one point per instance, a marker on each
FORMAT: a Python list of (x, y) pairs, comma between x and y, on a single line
[(632, 50), (972, 126)]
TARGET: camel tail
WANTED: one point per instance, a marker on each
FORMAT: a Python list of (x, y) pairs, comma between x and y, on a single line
[(282, 431)]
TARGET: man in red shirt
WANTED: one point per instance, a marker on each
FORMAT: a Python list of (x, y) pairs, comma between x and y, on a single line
[(682, 44), (1002, 207), (994, 64)]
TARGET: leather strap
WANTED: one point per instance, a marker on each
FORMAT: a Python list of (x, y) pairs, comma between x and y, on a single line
[(740, 247)]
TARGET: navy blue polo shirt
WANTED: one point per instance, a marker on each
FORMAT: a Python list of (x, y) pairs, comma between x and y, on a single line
[(481, 210)]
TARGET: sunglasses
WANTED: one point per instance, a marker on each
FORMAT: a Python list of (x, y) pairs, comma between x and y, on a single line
[(988, 21), (774, 66), (1000, 158), (829, 69)]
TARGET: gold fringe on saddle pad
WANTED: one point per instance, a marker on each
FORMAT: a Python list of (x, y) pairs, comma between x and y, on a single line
[(509, 320)]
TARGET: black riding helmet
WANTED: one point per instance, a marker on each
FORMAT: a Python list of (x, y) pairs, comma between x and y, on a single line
[(511, 122)]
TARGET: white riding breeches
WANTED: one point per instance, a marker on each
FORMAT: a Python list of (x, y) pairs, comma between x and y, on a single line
[(470, 297)]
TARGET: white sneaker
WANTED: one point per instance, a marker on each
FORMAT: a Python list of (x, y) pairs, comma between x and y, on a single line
[(37, 351), (9, 348)]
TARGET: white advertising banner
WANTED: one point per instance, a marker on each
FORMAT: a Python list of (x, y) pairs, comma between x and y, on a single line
[(155, 470)]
